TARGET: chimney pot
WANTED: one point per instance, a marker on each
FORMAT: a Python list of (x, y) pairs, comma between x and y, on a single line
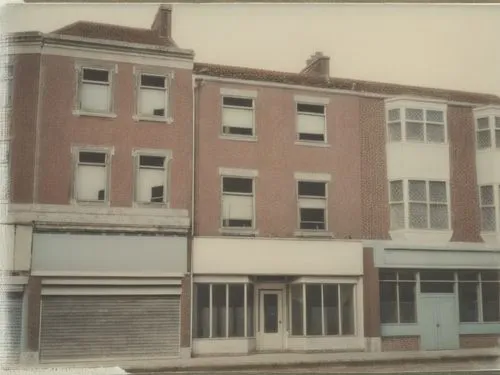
[(162, 23), (318, 64)]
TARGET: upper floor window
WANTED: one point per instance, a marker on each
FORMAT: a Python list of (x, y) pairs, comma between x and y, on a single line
[(311, 122), (312, 199), (153, 96), (237, 202), (416, 125), (488, 132), (95, 90), (425, 202), (92, 176), (488, 207), (7, 83), (238, 116), (151, 178)]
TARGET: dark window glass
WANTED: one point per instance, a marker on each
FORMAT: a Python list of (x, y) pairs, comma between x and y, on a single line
[(438, 275), (238, 223), (237, 131), (311, 137), (312, 218), (467, 275), (436, 287), (468, 302), (270, 302), (95, 75), (347, 308), (491, 301), (331, 308), (157, 194), (388, 302), (387, 275), (219, 310), (297, 312), (159, 112), (202, 310), (313, 310), (152, 81), (101, 194), (238, 102), (312, 189), (237, 185), (490, 275), (406, 275), (236, 313), (407, 302), (92, 157), (151, 161), (311, 108), (250, 317)]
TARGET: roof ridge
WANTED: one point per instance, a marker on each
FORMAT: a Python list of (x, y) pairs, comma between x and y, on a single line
[(67, 27)]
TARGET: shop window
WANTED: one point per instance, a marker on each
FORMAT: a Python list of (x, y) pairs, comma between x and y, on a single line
[(397, 297)]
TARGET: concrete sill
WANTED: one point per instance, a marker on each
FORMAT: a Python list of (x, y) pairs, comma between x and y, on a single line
[(93, 114), (313, 234), (167, 120), (239, 232), (238, 138), (312, 144)]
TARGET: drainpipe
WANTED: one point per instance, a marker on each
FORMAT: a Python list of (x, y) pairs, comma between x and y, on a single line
[(36, 167)]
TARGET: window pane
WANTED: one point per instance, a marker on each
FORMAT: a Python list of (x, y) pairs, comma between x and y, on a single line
[(435, 116), (490, 275), (311, 137), (312, 218), (237, 210), (202, 310), (150, 185), (313, 309), (92, 157), (435, 133), (437, 191), (270, 302), (417, 191), (95, 75), (237, 185), (297, 312), (91, 183), (483, 139), (347, 308), (395, 131), (236, 117), (388, 275), (407, 303), (219, 310), (393, 114), (488, 219), (152, 102), (491, 301), (237, 102), (418, 215), (436, 287), (396, 191), (414, 131), (406, 275), (151, 161), (415, 114), (468, 275), (483, 123), (331, 308), (437, 275), (95, 98), (311, 108), (388, 302), (497, 138), (497, 122), (397, 216), (250, 317), (468, 302), (236, 312), (439, 216), (487, 196), (311, 124), (152, 81), (313, 189)]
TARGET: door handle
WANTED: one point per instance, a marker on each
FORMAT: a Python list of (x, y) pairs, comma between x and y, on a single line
[(438, 325), (279, 321)]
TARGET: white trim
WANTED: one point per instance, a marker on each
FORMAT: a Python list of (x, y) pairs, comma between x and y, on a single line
[(354, 279), (313, 233), (221, 279), (489, 110), (311, 100), (99, 290), (312, 144), (12, 288), (237, 172), (239, 138), (114, 281), (14, 280), (77, 112), (405, 100), (308, 176), (250, 94), (318, 89), (108, 274)]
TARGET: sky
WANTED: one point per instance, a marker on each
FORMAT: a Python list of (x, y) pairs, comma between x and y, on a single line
[(443, 46)]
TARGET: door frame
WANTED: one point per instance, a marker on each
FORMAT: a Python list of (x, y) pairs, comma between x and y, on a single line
[(260, 290)]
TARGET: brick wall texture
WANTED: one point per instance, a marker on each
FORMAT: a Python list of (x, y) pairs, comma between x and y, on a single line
[(479, 341), (400, 343)]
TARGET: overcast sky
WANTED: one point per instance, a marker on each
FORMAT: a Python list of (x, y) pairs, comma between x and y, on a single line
[(447, 46)]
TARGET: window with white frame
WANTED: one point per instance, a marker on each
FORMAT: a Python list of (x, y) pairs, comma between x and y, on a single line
[(237, 202), (425, 201), (152, 96), (479, 296), (7, 83), (238, 116), (151, 179), (416, 125), (487, 206), (223, 310), (398, 296), (95, 93), (488, 132), (312, 205), (322, 309), (311, 122), (91, 178)]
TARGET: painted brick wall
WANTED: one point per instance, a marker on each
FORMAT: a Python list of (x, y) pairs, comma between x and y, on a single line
[(400, 343), (186, 312), (479, 341)]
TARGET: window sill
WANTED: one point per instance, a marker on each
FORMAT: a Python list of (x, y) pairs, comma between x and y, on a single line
[(167, 120), (151, 205), (312, 144), (93, 114), (312, 234), (239, 232), (420, 143), (91, 203), (238, 138)]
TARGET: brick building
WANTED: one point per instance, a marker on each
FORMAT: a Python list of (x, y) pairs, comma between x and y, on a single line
[(305, 212)]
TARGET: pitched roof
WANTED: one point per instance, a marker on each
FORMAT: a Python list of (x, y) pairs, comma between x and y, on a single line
[(236, 72), (105, 31)]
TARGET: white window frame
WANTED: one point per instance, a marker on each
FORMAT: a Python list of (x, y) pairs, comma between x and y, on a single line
[(495, 205), (406, 197), (238, 173), (492, 114), (405, 103), (396, 202), (238, 94), (398, 282), (167, 155), (112, 69), (169, 76), (311, 100), (7, 83), (75, 151)]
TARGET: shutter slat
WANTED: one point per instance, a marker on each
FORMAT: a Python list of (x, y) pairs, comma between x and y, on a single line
[(10, 327)]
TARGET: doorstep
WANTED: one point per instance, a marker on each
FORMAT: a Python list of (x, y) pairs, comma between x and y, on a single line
[(283, 360)]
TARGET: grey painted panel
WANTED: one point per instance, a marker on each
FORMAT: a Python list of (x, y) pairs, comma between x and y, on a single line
[(109, 253), (392, 258), (439, 321), (109, 327), (479, 328), (10, 327), (399, 330)]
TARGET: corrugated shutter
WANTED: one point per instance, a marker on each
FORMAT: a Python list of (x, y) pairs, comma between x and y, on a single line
[(106, 326), (11, 305)]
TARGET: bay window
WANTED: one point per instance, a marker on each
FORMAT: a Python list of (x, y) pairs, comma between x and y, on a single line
[(488, 132), (414, 124), (488, 207)]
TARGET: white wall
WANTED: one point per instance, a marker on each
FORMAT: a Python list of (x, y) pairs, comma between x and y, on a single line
[(223, 346), (325, 343), (488, 167), (237, 256)]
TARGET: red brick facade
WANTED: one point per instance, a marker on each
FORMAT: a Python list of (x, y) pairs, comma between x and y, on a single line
[(400, 343), (479, 341)]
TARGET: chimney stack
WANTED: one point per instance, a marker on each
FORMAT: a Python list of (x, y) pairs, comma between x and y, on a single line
[(318, 65), (162, 24)]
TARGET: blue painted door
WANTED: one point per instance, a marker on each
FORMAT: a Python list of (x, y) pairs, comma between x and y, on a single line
[(439, 321)]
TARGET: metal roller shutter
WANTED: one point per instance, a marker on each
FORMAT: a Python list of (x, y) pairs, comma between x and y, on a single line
[(103, 327), (11, 306)]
